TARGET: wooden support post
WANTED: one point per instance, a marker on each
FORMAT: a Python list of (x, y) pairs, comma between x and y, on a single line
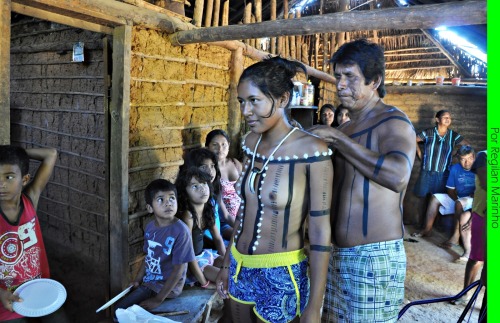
[(258, 18), (5, 7), (119, 150), (316, 50), (286, 40), (253, 41), (234, 114), (209, 12), (298, 39), (273, 17), (225, 14), (247, 19), (198, 12), (215, 20), (291, 39)]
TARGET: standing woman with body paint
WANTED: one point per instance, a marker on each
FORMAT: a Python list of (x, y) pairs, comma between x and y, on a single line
[(287, 177)]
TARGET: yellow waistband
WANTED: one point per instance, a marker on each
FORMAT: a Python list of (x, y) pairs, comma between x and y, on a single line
[(268, 260)]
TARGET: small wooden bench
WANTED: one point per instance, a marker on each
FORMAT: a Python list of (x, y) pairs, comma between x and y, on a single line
[(197, 301)]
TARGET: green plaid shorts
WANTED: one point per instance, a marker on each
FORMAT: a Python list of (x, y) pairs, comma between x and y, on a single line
[(365, 283)]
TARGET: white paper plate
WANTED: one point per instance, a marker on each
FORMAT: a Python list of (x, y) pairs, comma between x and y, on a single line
[(40, 297)]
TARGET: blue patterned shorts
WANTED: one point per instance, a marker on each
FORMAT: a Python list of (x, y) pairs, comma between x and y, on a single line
[(275, 291)]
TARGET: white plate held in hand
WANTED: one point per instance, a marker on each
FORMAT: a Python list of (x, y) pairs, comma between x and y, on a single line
[(40, 297)]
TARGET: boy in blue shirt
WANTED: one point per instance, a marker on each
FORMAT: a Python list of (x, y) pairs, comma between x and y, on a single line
[(460, 188), (168, 249)]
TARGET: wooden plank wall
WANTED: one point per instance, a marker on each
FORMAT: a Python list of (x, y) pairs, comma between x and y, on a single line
[(59, 103)]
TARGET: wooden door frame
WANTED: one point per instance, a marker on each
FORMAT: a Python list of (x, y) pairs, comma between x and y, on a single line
[(117, 136)]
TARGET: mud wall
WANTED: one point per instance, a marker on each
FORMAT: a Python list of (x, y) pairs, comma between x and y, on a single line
[(177, 96)]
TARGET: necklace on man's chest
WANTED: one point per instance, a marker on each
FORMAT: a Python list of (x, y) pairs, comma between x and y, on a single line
[(255, 170)]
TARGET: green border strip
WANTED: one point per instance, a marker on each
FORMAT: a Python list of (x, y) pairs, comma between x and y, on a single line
[(493, 133)]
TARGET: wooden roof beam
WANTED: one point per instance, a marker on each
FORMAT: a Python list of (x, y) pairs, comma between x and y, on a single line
[(415, 17), (109, 13)]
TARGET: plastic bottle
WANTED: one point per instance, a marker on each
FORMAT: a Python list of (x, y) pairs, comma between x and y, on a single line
[(310, 93)]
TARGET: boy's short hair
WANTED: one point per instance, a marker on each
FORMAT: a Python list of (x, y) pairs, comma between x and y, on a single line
[(13, 155), (158, 185)]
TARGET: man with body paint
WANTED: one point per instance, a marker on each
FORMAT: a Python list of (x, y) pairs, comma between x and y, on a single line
[(373, 159)]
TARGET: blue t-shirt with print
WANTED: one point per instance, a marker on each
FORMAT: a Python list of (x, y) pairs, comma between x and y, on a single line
[(463, 181)]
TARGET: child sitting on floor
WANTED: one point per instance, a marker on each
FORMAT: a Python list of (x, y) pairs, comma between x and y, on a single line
[(194, 189), (168, 249)]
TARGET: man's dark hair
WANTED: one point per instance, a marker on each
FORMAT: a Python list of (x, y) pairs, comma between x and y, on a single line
[(465, 150), (13, 155), (158, 185), (368, 56)]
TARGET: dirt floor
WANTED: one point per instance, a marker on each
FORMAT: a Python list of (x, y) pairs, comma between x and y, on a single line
[(431, 273)]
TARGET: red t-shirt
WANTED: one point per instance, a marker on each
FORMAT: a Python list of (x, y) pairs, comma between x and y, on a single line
[(22, 252)]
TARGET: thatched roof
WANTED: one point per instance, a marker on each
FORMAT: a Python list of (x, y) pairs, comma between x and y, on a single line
[(414, 54)]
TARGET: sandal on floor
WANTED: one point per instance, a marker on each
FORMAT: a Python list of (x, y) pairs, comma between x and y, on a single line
[(417, 234), (448, 245), (462, 260)]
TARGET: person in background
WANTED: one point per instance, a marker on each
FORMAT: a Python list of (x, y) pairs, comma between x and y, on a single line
[(218, 142), (194, 187), (207, 161), (341, 116), (458, 198), (373, 159), (167, 248), (440, 143), (23, 251), (287, 177), (326, 114), (477, 226)]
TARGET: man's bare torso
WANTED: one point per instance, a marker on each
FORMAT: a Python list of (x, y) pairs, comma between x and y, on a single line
[(364, 211)]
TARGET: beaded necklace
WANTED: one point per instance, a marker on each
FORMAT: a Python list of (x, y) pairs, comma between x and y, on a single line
[(256, 170)]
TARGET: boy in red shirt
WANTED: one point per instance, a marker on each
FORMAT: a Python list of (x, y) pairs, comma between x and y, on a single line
[(22, 252)]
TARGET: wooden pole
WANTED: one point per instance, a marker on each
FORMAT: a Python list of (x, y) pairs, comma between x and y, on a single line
[(291, 39), (225, 14), (273, 18), (119, 157), (286, 45), (316, 50), (215, 21), (209, 12), (298, 38), (457, 13), (5, 6), (247, 19), (258, 18), (198, 12), (260, 55), (234, 115), (253, 41)]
